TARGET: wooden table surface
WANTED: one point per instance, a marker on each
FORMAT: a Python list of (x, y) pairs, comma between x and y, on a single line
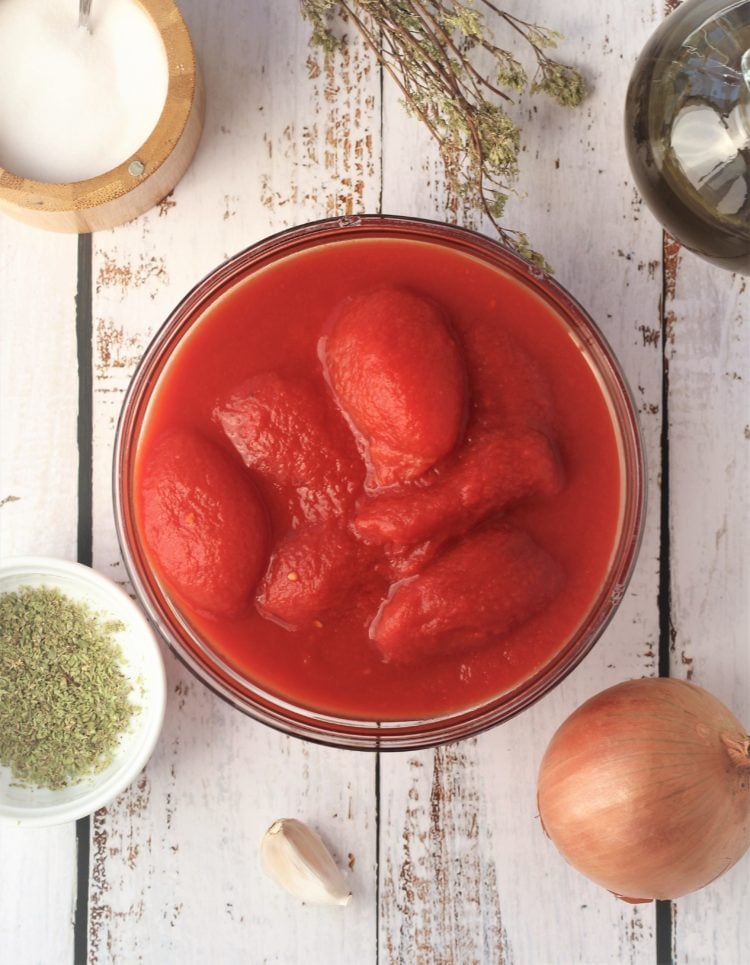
[(446, 855)]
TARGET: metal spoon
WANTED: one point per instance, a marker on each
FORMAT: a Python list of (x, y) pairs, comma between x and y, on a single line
[(84, 13)]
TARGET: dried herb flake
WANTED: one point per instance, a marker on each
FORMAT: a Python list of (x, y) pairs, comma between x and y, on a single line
[(64, 699)]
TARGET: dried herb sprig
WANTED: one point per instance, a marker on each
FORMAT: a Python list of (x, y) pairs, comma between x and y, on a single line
[(64, 700), (437, 53)]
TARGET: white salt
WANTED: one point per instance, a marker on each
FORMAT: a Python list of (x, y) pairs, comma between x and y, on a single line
[(75, 104)]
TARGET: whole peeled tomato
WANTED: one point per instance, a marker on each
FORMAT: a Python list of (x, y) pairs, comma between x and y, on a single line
[(645, 789), (289, 432), (472, 595), (494, 469), (313, 569), (204, 522), (399, 376)]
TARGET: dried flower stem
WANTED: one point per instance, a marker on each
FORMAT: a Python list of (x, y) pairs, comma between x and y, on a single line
[(427, 47)]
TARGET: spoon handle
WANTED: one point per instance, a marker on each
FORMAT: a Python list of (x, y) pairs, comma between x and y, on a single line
[(84, 12)]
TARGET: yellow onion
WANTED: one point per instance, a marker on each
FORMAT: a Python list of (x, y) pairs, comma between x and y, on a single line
[(645, 789)]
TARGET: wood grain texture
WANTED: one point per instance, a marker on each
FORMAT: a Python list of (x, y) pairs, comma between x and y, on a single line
[(515, 898), (444, 849), (709, 404), (175, 873), (38, 516), (39, 465)]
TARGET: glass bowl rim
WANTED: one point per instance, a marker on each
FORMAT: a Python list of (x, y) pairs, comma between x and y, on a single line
[(330, 729)]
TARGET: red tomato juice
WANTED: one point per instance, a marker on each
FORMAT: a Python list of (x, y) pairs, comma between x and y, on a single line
[(272, 322)]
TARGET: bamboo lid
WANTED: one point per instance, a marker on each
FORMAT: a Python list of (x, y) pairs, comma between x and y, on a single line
[(144, 178)]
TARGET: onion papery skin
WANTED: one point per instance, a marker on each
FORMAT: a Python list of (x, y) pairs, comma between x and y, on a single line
[(645, 789)]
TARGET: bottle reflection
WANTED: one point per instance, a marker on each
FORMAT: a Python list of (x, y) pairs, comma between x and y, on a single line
[(688, 128), (711, 151)]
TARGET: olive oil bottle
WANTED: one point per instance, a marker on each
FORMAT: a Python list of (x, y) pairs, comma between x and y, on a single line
[(687, 128)]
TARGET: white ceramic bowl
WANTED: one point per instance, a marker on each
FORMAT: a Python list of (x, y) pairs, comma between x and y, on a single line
[(144, 667)]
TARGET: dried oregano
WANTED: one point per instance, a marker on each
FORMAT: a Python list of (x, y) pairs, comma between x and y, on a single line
[(459, 81), (64, 700)]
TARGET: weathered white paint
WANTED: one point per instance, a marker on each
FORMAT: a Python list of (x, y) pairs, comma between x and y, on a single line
[(465, 873), (38, 515), (709, 416), (38, 379), (175, 873)]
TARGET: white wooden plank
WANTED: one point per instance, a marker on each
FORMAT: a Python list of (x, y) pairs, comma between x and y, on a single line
[(38, 894), (466, 873), (38, 516), (38, 471), (175, 874), (709, 429)]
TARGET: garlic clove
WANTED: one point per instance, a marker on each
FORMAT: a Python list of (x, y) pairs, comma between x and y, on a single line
[(296, 858)]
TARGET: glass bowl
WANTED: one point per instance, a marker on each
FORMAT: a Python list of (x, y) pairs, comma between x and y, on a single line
[(192, 644)]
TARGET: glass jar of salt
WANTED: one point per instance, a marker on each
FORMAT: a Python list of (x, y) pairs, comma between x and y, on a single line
[(687, 128)]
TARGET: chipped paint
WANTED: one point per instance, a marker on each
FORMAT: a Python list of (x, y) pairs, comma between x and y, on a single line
[(182, 690), (166, 204), (650, 336), (651, 266), (670, 323), (650, 657), (108, 843), (671, 255), (229, 210), (100, 912), (8, 499), (114, 274), (336, 141), (445, 868), (638, 933), (115, 349)]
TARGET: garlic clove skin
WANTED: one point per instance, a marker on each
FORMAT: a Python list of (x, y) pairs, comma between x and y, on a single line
[(296, 858)]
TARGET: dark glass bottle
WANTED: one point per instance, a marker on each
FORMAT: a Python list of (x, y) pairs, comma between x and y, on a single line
[(687, 128)]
